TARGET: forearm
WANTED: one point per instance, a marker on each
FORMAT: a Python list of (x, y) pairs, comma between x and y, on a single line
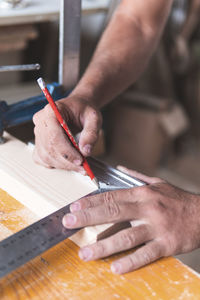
[(123, 51)]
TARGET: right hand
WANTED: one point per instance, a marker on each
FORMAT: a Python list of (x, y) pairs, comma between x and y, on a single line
[(53, 148), (165, 221)]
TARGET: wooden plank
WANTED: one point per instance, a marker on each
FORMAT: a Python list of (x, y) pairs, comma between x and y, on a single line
[(42, 190), (60, 274)]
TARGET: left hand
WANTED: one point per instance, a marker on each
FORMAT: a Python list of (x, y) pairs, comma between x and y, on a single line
[(165, 221)]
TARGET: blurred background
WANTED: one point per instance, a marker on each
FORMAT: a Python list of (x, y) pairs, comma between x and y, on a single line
[(154, 126)]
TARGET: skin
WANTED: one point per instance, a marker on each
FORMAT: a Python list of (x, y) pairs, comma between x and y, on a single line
[(121, 56), (53, 149), (168, 224), (168, 216)]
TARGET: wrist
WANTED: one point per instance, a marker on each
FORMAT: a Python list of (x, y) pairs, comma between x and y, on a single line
[(86, 94)]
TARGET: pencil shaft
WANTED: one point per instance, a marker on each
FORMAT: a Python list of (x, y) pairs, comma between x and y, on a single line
[(65, 127)]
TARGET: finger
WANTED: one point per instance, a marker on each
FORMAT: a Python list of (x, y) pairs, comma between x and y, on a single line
[(103, 214), (119, 196), (55, 142), (60, 145), (91, 122), (39, 161), (63, 164), (66, 150), (146, 179), (57, 147), (42, 157), (141, 257), (123, 240)]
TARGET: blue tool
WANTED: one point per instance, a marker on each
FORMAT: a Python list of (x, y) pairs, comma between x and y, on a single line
[(23, 111)]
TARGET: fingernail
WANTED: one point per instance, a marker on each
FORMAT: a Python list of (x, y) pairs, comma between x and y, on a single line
[(69, 220), (116, 268), (87, 149), (85, 254), (75, 207), (77, 162)]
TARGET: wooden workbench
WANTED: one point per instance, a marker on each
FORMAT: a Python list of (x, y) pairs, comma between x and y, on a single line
[(60, 274)]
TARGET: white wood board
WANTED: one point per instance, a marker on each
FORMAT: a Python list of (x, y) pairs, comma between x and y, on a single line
[(42, 190)]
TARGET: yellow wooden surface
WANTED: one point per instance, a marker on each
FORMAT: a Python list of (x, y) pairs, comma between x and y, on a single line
[(60, 274)]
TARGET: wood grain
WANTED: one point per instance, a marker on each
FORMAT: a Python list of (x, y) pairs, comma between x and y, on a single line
[(43, 190), (60, 274)]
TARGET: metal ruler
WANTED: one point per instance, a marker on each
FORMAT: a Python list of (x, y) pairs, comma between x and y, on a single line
[(35, 239)]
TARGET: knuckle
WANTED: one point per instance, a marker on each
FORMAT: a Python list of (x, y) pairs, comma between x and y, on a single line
[(132, 262), (86, 203), (112, 207), (131, 193), (147, 257), (143, 192), (85, 216), (93, 135), (146, 190), (44, 157), (95, 116), (128, 239), (149, 254), (73, 156), (168, 246), (157, 251), (39, 159), (154, 206), (112, 210), (101, 249)]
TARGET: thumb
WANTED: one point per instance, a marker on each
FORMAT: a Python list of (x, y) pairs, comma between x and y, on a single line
[(91, 122), (142, 177)]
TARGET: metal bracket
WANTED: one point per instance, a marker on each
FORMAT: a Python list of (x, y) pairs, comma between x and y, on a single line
[(69, 51)]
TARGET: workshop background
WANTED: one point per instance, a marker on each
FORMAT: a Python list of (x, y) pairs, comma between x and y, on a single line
[(154, 126)]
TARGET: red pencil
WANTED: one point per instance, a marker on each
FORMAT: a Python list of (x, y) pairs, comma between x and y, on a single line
[(49, 98)]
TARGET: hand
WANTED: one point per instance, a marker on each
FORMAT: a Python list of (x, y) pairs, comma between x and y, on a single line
[(165, 221), (53, 148)]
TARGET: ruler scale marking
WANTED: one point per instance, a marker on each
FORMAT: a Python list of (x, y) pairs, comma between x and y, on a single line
[(35, 239)]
